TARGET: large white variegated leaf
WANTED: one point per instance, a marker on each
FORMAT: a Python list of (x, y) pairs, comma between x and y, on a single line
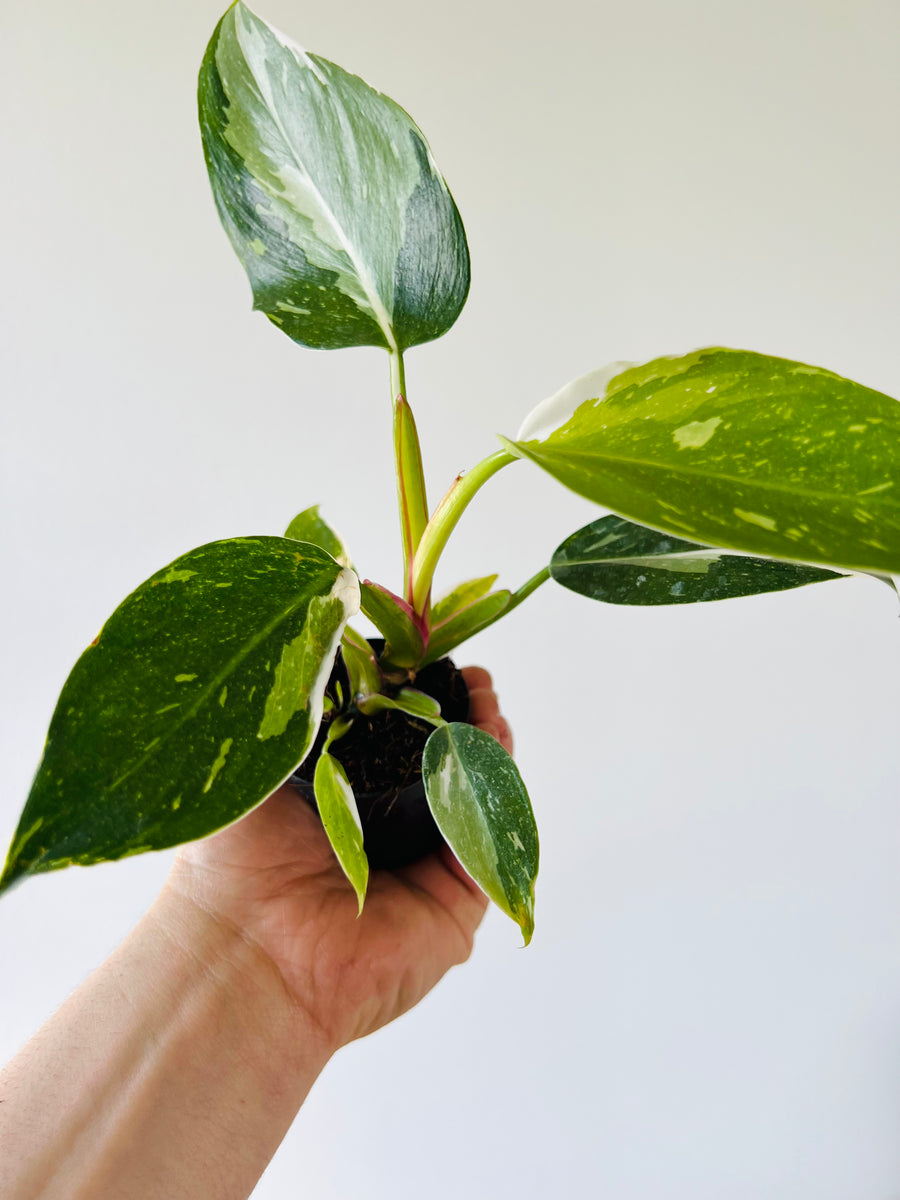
[(329, 194), (729, 448)]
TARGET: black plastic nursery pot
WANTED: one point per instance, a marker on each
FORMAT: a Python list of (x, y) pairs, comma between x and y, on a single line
[(382, 756)]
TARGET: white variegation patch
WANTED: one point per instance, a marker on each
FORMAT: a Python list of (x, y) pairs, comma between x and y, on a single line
[(557, 410)]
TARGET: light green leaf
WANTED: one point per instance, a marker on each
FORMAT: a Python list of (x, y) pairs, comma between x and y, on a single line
[(621, 563), (362, 666), (308, 526), (481, 807), (461, 597), (408, 700), (202, 693), (329, 195), (465, 624), (396, 622), (733, 449), (340, 817)]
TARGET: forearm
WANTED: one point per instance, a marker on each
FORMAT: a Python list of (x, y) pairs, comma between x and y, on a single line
[(174, 1071)]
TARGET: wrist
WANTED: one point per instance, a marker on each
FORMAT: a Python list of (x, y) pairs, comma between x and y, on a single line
[(211, 942)]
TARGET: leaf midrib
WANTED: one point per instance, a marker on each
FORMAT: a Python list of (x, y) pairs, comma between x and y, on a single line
[(378, 309), (206, 692), (764, 485)]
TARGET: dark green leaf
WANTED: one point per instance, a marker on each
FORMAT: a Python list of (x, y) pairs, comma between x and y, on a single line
[(329, 195), (480, 804), (621, 563), (733, 449), (202, 693)]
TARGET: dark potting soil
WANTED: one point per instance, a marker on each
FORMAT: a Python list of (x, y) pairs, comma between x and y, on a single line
[(382, 756)]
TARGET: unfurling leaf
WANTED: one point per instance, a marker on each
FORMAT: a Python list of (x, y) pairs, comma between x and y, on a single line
[(396, 622), (328, 193), (621, 563), (733, 449), (479, 802), (465, 623), (202, 693)]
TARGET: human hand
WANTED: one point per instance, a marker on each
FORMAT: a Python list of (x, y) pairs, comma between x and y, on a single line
[(273, 879)]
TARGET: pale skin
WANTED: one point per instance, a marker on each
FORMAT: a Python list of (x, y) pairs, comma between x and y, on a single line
[(176, 1069)]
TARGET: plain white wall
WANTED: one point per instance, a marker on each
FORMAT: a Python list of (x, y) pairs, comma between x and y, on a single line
[(711, 1005)]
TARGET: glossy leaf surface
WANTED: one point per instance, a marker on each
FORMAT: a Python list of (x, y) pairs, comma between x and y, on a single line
[(328, 193), (465, 623), (340, 818), (461, 597), (308, 526), (734, 449), (621, 563), (481, 807), (395, 621), (202, 693)]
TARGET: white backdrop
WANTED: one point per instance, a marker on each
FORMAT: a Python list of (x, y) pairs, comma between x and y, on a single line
[(711, 1005)]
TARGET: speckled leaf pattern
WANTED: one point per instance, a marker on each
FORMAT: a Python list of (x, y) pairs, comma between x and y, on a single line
[(621, 563), (202, 693), (328, 193), (340, 817), (479, 802), (734, 449), (308, 526)]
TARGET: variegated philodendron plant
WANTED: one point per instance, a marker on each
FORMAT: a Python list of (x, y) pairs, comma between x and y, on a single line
[(730, 473)]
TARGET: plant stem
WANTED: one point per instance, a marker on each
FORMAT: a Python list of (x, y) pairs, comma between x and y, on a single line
[(526, 589), (411, 499), (443, 522)]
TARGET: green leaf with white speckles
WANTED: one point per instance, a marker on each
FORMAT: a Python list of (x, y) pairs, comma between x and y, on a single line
[(620, 563), (340, 817), (479, 802), (202, 693), (328, 193), (733, 449)]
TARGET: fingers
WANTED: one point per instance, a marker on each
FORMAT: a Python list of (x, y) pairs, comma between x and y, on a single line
[(484, 708)]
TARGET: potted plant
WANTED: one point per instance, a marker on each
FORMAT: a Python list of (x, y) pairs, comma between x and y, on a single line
[(727, 473)]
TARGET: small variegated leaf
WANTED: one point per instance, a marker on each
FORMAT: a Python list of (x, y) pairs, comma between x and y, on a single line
[(328, 193), (461, 597), (361, 663), (479, 802), (308, 526), (733, 449), (202, 693), (396, 622), (620, 563), (408, 700), (465, 624), (340, 818)]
